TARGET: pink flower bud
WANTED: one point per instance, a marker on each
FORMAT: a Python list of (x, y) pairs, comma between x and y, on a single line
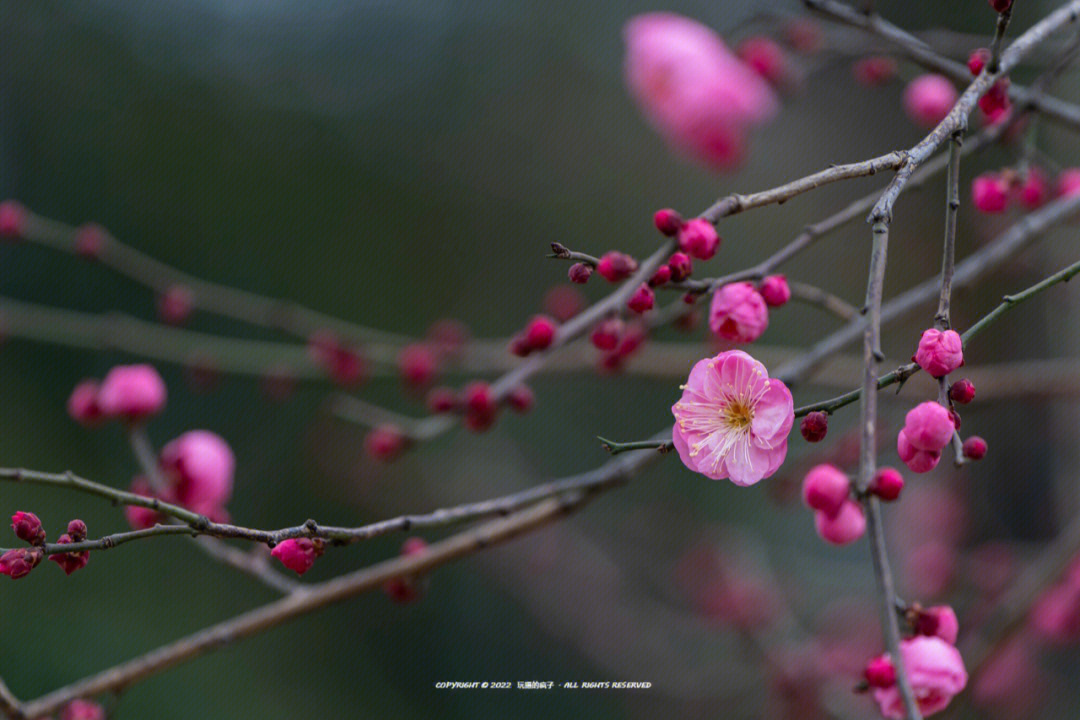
[(131, 393), (72, 561), (936, 673), (962, 391), (825, 488), (408, 589), (738, 313), (346, 366), (441, 400), (978, 59), (642, 300), (681, 267), (519, 346), (917, 460), (580, 273), (417, 365), (880, 672), (661, 276), (298, 554), (698, 238), (1001, 5), (938, 621), (90, 241), (12, 220), (141, 518), (175, 304), (77, 530), (82, 710), (668, 222), (479, 406), (765, 57), (563, 302), (385, 443), (929, 426), (615, 266), (940, 352), (1034, 191), (843, 528), (887, 484), (540, 332), (874, 71), (990, 193), (814, 426), (18, 562), (928, 99), (521, 398), (200, 465), (606, 334), (995, 103), (83, 406), (775, 291), (28, 528), (1068, 182), (974, 448)]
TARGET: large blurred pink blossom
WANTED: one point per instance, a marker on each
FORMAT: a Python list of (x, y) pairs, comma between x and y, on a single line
[(733, 420), (200, 465), (936, 672), (692, 88), (738, 313)]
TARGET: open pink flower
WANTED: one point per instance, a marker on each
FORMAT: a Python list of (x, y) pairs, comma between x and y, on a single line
[(936, 672), (940, 352), (733, 420), (692, 88), (738, 313)]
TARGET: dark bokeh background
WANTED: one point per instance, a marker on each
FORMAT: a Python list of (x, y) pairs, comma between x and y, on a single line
[(394, 163)]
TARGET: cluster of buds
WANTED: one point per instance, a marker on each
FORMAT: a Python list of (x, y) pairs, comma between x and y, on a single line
[(72, 561), (343, 363), (537, 335), (1031, 188), (129, 393), (838, 515), (18, 562)]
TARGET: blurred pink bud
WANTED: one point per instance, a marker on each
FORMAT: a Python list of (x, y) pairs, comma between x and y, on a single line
[(698, 238), (141, 518), (974, 448), (200, 464), (940, 352), (385, 443), (681, 267), (775, 291), (843, 528), (1001, 5), (521, 399), (765, 57), (18, 562), (990, 193), (90, 241), (12, 220), (928, 99), (936, 673), (298, 554), (661, 277), (814, 426), (880, 673), (82, 710), (1068, 182), (83, 406), (580, 273), (563, 302), (668, 222), (131, 393), (995, 102), (606, 333), (978, 59), (692, 88), (615, 266), (175, 305), (448, 336), (825, 488), (540, 332), (874, 71), (1034, 191), (478, 403), (417, 365), (28, 528), (738, 313), (962, 391), (642, 300), (408, 589), (441, 400), (887, 484), (938, 621)]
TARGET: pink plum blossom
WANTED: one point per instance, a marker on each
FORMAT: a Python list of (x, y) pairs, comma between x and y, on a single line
[(990, 193), (692, 88), (825, 488), (298, 554), (200, 465), (844, 527), (936, 672), (131, 393), (775, 290), (940, 352), (733, 420), (738, 313), (927, 429), (928, 99)]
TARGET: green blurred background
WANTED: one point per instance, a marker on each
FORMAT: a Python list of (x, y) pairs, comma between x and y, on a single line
[(392, 164)]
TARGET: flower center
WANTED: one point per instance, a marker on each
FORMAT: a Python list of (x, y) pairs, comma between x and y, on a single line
[(737, 415)]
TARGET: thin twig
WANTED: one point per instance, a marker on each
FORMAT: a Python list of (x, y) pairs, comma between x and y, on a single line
[(999, 38)]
